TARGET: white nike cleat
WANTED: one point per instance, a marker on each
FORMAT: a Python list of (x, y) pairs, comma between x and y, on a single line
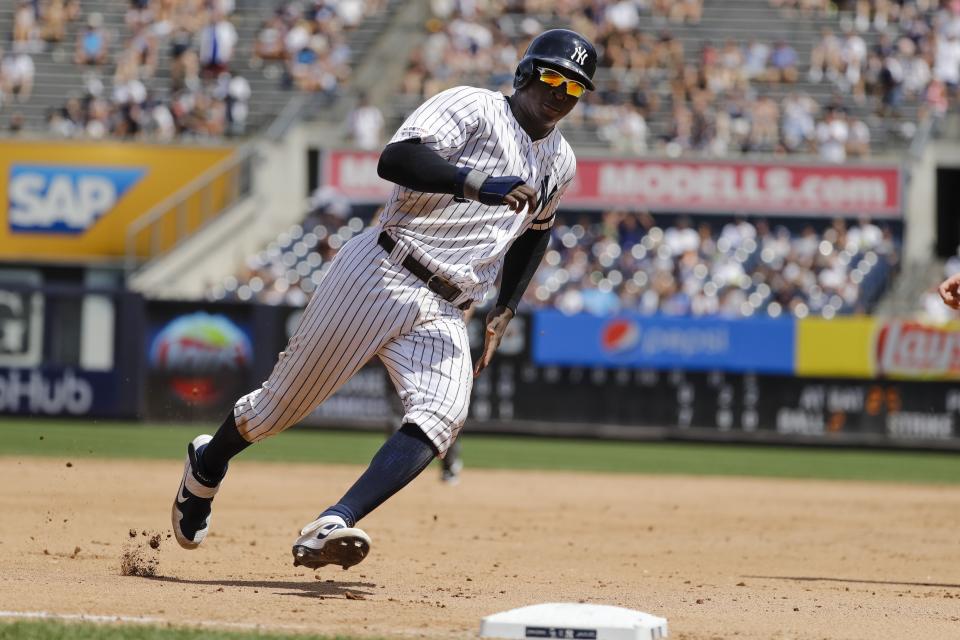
[(190, 516), (328, 540)]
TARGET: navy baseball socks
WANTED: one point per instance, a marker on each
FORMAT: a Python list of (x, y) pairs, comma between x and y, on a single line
[(226, 443), (203, 471), (332, 538)]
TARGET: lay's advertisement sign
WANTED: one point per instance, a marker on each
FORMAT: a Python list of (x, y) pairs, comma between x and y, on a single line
[(75, 200), (909, 349), (869, 347)]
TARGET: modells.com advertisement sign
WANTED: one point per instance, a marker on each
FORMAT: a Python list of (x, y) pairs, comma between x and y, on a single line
[(767, 188), (198, 363)]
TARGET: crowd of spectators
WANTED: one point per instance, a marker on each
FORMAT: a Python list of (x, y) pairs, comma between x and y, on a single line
[(308, 42), (916, 57), (713, 100), (631, 261), (204, 95), (289, 269)]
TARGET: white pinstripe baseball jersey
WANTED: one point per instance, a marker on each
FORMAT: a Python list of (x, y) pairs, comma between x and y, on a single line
[(369, 305), (466, 241)]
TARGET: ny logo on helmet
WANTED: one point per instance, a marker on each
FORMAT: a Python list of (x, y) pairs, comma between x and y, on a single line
[(579, 55)]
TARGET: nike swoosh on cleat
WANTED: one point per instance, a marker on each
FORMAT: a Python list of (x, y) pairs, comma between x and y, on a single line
[(327, 530)]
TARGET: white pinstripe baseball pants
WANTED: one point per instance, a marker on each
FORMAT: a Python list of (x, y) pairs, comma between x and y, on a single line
[(368, 306)]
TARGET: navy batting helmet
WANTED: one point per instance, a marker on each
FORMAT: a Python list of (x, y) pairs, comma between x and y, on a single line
[(562, 49)]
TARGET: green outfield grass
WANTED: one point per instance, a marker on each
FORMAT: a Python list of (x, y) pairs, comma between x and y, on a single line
[(49, 630), (78, 440)]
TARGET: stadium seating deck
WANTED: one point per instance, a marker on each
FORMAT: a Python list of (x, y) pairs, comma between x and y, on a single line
[(58, 78), (442, 62), (630, 261)]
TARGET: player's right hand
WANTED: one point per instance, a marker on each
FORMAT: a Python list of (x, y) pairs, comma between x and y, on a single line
[(497, 321), (950, 291)]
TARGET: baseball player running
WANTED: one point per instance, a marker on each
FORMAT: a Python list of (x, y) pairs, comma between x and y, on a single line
[(478, 179)]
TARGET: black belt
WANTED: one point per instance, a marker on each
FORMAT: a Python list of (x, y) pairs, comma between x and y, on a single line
[(436, 283)]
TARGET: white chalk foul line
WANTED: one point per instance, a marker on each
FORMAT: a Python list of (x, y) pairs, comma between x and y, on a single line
[(110, 619)]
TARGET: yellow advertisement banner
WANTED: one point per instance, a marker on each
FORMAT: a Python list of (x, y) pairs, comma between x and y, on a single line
[(839, 347), (75, 201)]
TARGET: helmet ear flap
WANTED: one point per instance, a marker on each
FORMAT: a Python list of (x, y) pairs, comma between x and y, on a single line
[(524, 73)]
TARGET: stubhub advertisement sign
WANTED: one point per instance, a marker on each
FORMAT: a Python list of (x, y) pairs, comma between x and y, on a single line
[(762, 345), (63, 198)]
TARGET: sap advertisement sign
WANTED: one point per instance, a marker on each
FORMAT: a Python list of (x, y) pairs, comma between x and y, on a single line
[(657, 342), (64, 199)]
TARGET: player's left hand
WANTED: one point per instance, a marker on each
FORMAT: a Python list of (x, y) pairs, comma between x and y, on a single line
[(522, 196), (950, 291), (497, 321)]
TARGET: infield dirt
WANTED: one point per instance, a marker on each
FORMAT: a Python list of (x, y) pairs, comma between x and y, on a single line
[(720, 558)]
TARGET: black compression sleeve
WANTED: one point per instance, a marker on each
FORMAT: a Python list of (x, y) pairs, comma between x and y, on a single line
[(416, 166), (520, 264)]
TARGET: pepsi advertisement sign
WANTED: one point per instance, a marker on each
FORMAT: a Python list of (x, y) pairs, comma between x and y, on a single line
[(762, 345), (63, 199)]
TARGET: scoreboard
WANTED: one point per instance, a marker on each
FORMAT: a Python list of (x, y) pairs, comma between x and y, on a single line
[(680, 403), (852, 411)]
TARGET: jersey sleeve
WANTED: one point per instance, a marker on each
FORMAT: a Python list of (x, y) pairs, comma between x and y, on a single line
[(544, 219), (444, 122)]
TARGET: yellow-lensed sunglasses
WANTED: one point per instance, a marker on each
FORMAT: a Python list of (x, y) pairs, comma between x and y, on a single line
[(555, 79)]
